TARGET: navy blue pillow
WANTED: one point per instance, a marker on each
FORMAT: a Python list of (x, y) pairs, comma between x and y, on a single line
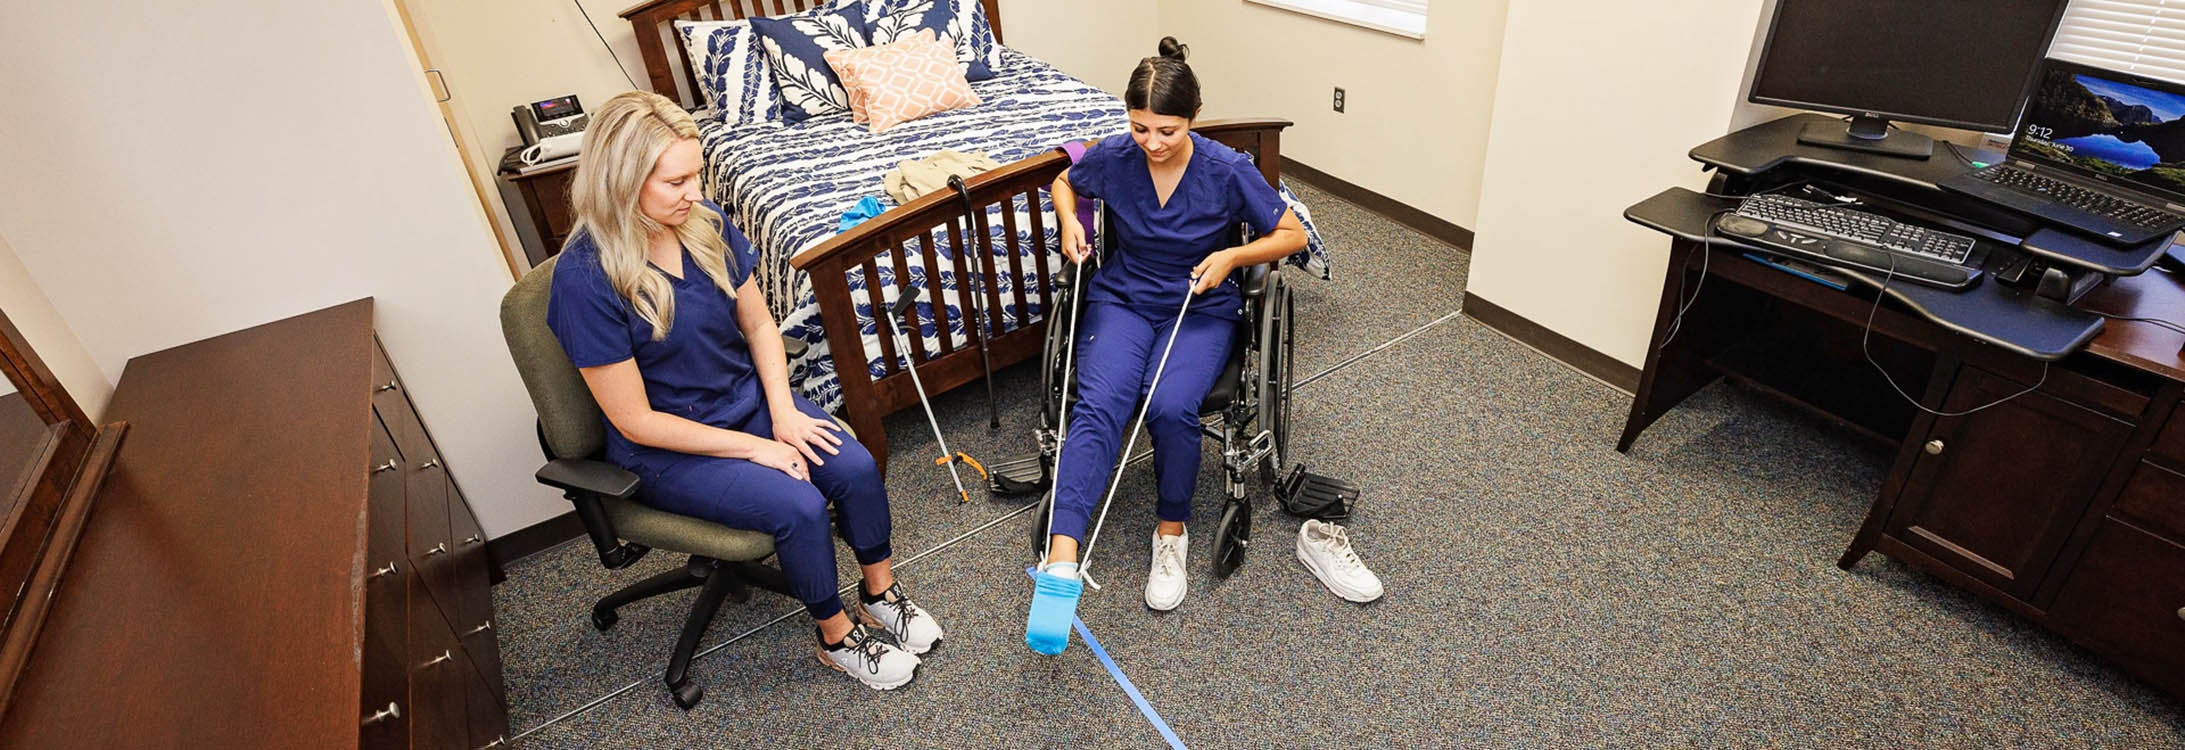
[(959, 23), (795, 46)]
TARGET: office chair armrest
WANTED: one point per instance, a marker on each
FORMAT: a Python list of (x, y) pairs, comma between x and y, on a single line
[(577, 475), (793, 347)]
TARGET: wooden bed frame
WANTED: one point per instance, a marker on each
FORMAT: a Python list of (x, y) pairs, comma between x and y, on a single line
[(908, 228)]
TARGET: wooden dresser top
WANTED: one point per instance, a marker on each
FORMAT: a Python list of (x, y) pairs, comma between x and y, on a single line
[(214, 599)]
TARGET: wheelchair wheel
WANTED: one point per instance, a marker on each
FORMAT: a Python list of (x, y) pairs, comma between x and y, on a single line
[(1277, 368), (1231, 538), (1052, 389), (1039, 528)]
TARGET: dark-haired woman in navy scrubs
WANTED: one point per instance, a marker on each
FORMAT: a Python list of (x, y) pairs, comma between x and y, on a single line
[(1176, 199)]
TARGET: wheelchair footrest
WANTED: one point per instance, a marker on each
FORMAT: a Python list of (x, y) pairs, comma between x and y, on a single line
[(1308, 495), (1020, 476)]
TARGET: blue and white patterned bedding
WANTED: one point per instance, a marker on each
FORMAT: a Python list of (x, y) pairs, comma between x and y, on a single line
[(786, 187)]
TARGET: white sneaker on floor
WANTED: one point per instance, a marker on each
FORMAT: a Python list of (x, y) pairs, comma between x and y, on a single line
[(1165, 582), (873, 661), (1325, 550), (911, 625)]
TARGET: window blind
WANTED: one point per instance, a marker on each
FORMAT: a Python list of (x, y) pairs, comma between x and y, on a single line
[(2146, 37)]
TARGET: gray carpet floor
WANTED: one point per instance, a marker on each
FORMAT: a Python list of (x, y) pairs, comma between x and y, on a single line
[(1544, 590)]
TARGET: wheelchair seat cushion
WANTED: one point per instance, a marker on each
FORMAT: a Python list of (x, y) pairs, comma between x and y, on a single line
[(1225, 387)]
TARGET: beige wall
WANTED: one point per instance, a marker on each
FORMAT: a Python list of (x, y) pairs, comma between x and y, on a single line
[(1097, 42), (294, 160), (1594, 110), (27, 307), (1417, 112)]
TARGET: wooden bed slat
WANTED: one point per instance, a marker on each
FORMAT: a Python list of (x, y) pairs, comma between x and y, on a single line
[(972, 334), (1039, 240), (933, 295), (983, 244), (1016, 255), (880, 319), (902, 287)]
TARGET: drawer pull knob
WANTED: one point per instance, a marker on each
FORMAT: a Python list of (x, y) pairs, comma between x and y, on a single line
[(391, 569), (432, 464), (389, 466), (1934, 447), (385, 388), (444, 656), (392, 711), (2181, 613), (501, 741), (437, 549), (474, 539), (480, 629)]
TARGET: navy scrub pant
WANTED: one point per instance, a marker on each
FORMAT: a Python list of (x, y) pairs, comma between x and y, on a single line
[(1118, 349), (739, 494)]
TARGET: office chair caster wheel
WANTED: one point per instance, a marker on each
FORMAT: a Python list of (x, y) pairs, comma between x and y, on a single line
[(604, 618), (687, 694), (1231, 538)]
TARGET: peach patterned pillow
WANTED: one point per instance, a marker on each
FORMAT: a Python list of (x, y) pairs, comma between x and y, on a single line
[(891, 84)]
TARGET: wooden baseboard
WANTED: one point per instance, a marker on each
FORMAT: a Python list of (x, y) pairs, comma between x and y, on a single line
[(1425, 223), (1600, 366), (529, 540)]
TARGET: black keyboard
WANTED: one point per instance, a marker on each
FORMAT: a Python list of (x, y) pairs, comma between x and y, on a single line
[(2091, 201), (1857, 226)]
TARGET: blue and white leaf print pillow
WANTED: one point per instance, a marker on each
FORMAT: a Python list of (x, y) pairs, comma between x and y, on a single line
[(794, 47), (960, 23), (731, 71)]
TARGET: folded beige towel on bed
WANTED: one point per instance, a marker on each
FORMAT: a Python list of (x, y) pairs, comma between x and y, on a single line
[(916, 177)]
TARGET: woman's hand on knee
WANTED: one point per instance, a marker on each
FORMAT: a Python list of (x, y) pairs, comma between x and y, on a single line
[(808, 436), (782, 456)]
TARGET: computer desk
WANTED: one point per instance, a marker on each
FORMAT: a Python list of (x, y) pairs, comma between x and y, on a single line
[(2063, 502)]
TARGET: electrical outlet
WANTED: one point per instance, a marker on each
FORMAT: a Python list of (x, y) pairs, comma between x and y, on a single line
[(1338, 98)]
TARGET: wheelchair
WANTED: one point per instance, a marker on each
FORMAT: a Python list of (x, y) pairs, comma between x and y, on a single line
[(1247, 411)]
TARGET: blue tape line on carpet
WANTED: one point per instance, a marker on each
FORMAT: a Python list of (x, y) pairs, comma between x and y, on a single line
[(1117, 673), (1131, 690)]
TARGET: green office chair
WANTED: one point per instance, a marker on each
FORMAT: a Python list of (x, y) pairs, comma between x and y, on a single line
[(573, 434)]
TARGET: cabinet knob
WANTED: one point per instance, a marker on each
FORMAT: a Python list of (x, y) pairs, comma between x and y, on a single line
[(391, 569), (474, 539), (437, 549), (389, 466), (392, 711), (432, 464), (1934, 447), (2181, 613), (480, 629), (448, 655), (385, 388), (501, 741)]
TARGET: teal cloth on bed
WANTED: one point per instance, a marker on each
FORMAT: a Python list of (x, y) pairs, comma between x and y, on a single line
[(866, 208)]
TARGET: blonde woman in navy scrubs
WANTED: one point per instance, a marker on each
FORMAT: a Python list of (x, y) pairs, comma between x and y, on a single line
[(1176, 199), (654, 303)]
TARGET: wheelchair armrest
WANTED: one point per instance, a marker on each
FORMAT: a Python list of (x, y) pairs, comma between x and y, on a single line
[(1256, 279), (792, 347), (584, 476)]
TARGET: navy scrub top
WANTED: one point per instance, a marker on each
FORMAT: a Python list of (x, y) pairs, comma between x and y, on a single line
[(1159, 244), (702, 371)]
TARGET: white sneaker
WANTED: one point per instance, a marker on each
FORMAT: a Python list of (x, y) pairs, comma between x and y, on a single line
[(912, 627), (1165, 583), (875, 662), (1325, 550)]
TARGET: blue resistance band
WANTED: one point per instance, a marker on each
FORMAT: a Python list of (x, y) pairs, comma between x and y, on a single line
[(1117, 673)]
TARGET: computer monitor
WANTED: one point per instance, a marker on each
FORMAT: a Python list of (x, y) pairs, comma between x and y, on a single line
[(1954, 63)]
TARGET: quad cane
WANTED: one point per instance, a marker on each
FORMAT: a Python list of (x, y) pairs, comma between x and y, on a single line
[(1054, 598), (948, 458), (978, 297)]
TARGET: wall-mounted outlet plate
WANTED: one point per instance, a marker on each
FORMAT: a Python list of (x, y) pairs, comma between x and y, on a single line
[(1338, 98)]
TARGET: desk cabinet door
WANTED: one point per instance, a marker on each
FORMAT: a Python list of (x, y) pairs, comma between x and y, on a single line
[(2128, 597), (1996, 493)]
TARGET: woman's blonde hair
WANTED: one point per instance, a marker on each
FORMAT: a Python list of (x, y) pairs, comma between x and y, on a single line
[(623, 143)]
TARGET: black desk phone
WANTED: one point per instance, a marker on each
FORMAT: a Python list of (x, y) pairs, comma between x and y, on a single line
[(561, 115)]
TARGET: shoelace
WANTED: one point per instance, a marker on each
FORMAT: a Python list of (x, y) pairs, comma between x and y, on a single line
[(1340, 542), (869, 649), (905, 611), (1167, 561)]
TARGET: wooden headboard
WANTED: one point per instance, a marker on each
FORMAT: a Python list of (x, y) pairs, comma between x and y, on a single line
[(667, 65)]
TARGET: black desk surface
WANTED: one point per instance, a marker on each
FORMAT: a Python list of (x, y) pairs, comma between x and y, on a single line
[(1773, 145)]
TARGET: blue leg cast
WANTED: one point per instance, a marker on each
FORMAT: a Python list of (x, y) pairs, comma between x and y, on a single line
[(1054, 606)]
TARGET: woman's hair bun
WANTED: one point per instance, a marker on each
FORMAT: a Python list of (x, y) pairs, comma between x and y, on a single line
[(1174, 50)]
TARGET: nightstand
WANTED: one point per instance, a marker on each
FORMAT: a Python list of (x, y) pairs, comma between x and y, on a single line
[(545, 194)]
